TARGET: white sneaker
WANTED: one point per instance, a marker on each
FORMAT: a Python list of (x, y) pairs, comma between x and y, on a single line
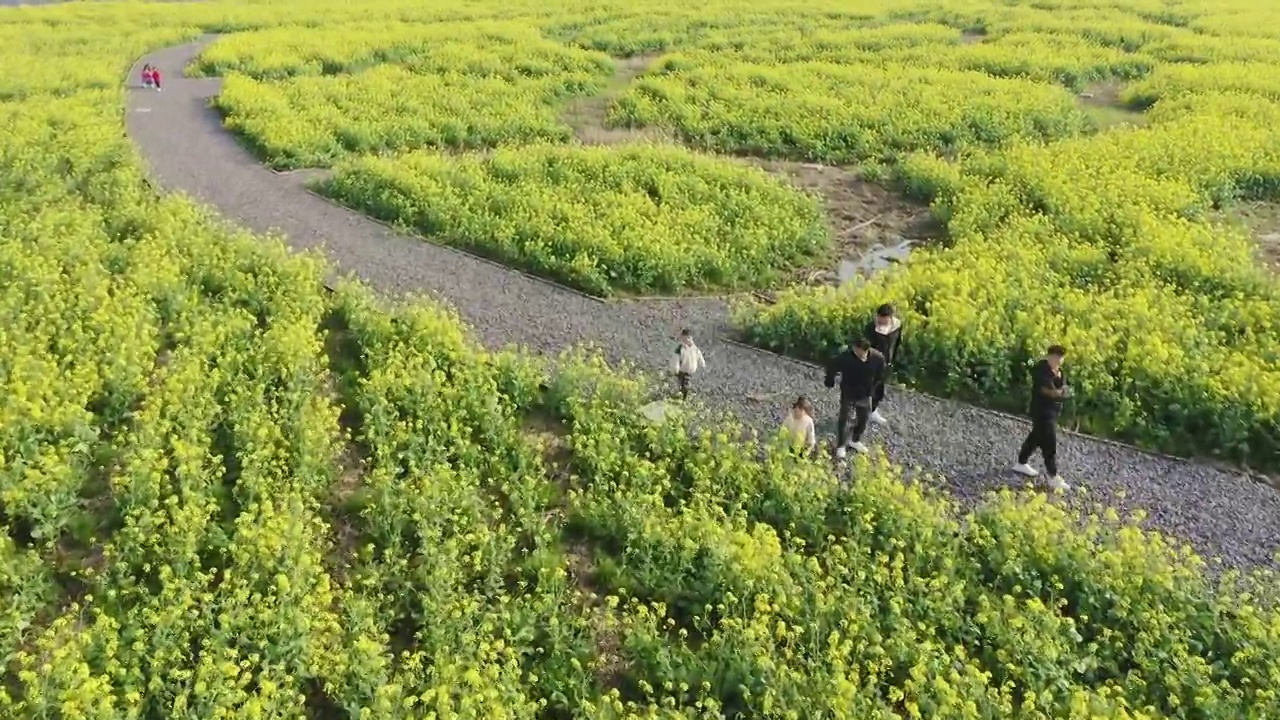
[(859, 447), (1057, 484), (877, 418), (841, 452), (1025, 470)]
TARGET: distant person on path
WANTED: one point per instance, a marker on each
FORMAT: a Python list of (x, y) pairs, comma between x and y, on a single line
[(1048, 389), (686, 361), (146, 75), (860, 369), (155, 77), (798, 426), (885, 334)]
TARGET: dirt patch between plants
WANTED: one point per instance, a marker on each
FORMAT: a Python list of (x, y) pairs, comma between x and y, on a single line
[(1269, 248), (551, 437), (873, 226), (1101, 102), (1262, 220), (344, 505), (609, 666), (586, 115)]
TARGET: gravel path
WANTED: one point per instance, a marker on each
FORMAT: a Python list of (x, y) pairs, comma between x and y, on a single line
[(1220, 513)]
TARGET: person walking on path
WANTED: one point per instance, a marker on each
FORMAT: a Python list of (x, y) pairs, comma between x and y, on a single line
[(1048, 389), (798, 426), (155, 78), (885, 334), (860, 369), (686, 361), (146, 75)]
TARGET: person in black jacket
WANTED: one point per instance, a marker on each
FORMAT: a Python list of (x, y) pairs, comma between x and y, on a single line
[(860, 369), (885, 334), (1048, 389)]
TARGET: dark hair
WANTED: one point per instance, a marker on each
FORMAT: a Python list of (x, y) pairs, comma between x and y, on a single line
[(803, 403), (1057, 350), (862, 343), (685, 333), (885, 310)]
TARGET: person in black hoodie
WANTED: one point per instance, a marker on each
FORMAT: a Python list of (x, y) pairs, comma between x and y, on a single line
[(1048, 389), (885, 334), (860, 369)]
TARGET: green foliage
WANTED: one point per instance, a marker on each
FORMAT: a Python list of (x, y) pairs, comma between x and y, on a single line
[(634, 219), (839, 114), (305, 98)]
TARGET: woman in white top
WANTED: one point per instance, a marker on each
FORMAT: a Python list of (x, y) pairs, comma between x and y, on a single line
[(686, 361), (798, 425)]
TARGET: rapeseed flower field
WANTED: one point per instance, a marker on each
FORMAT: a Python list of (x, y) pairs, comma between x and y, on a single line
[(230, 491)]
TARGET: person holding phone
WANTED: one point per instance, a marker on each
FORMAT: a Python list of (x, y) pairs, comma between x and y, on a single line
[(1048, 389)]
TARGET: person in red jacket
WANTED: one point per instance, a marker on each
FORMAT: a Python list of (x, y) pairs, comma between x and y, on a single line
[(155, 77), (146, 75)]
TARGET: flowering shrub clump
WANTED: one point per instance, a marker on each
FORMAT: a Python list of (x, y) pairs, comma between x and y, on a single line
[(1171, 81), (486, 48), (632, 219), (838, 113), (313, 121), (305, 99)]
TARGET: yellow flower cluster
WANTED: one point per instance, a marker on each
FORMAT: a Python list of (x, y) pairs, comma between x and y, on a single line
[(508, 50), (1171, 81), (1066, 59), (840, 113), (632, 219), (368, 89), (761, 587)]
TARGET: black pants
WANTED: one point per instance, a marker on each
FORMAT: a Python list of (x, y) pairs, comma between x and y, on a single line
[(1043, 437), (877, 397), (682, 379), (861, 410)]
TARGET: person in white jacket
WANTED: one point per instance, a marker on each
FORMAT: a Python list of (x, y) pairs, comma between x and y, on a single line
[(686, 361), (798, 426)]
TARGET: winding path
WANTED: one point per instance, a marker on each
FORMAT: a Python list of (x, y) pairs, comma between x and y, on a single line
[(1219, 512)]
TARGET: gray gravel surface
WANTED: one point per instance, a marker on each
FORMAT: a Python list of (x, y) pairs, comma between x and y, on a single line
[(1220, 513)]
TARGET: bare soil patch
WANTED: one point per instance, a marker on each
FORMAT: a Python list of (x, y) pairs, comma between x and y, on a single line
[(609, 666), (972, 37), (873, 226), (587, 115), (1101, 102), (345, 499), (75, 565), (551, 437), (1262, 219)]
